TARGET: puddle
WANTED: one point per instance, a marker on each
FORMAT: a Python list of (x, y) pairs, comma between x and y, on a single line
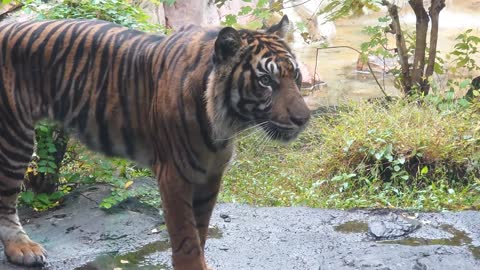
[(138, 259), (354, 226), (130, 261), (460, 238)]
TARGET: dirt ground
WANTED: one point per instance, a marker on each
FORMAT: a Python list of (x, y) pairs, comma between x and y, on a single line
[(80, 236)]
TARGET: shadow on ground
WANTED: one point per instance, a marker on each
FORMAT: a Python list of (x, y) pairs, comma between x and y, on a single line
[(80, 236)]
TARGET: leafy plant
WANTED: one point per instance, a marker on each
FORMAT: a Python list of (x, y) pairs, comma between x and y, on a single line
[(42, 201), (261, 11), (403, 154), (80, 168), (117, 11), (465, 49), (46, 148), (337, 9)]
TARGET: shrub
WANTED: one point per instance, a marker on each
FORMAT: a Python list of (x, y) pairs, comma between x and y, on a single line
[(408, 155)]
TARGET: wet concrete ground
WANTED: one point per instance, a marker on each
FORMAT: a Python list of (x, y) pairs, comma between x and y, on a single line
[(80, 236)]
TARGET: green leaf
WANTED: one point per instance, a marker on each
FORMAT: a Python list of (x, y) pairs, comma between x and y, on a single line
[(424, 170), (105, 204), (301, 26), (27, 197), (43, 198), (42, 163), (438, 68), (465, 83), (245, 10), (262, 3), (330, 7), (230, 20), (57, 195), (52, 164)]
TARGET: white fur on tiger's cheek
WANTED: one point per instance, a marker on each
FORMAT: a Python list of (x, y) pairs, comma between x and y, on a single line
[(235, 96)]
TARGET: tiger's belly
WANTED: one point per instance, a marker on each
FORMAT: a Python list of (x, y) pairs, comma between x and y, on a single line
[(136, 149)]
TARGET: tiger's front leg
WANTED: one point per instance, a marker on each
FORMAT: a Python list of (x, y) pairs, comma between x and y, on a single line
[(204, 199), (177, 201), (18, 247)]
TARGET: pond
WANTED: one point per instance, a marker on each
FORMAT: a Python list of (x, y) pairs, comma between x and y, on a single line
[(337, 67)]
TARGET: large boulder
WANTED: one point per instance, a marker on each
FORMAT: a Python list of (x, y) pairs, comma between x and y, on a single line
[(155, 12), (200, 12)]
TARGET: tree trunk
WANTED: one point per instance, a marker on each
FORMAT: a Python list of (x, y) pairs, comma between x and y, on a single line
[(434, 12), (422, 21), (396, 29), (415, 76)]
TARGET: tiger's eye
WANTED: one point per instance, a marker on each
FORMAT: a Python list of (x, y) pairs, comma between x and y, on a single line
[(265, 80)]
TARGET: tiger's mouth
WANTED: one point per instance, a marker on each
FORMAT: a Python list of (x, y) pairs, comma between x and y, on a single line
[(280, 132)]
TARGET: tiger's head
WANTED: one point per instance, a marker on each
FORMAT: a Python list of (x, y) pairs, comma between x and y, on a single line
[(255, 82)]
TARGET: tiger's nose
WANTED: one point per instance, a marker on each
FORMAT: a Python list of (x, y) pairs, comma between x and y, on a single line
[(300, 120)]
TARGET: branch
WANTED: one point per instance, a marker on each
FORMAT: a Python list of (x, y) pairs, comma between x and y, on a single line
[(402, 48), (12, 8), (434, 11), (421, 40)]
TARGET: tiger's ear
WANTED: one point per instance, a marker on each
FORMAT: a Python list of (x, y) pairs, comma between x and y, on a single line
[(280, 29), (227, 44)]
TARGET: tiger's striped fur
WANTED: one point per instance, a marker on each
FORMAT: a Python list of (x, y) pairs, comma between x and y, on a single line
[(173, 103)]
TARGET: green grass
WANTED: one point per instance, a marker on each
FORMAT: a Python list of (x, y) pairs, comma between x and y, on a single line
[(407, 156)]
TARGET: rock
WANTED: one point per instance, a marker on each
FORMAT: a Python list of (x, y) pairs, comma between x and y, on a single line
[(377, 64), (203, 12), (184, 12), (319, 29), (155, 12), (226, 217), (309, 81), (395, 226)]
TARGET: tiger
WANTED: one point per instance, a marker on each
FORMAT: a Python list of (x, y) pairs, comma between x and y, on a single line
[(173, 103)]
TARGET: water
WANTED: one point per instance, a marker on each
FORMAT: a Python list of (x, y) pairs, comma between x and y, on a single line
[(141, 259), (352, 227), (130, 261), (337, 67), (459, 238)]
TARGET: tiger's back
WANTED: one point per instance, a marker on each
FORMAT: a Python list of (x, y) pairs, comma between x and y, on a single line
[(79, 73)]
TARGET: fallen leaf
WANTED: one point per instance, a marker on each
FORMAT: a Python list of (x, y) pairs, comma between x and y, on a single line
[(128, 184)]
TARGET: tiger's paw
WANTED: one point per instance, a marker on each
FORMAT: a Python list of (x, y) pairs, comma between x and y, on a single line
[(25, 252)]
